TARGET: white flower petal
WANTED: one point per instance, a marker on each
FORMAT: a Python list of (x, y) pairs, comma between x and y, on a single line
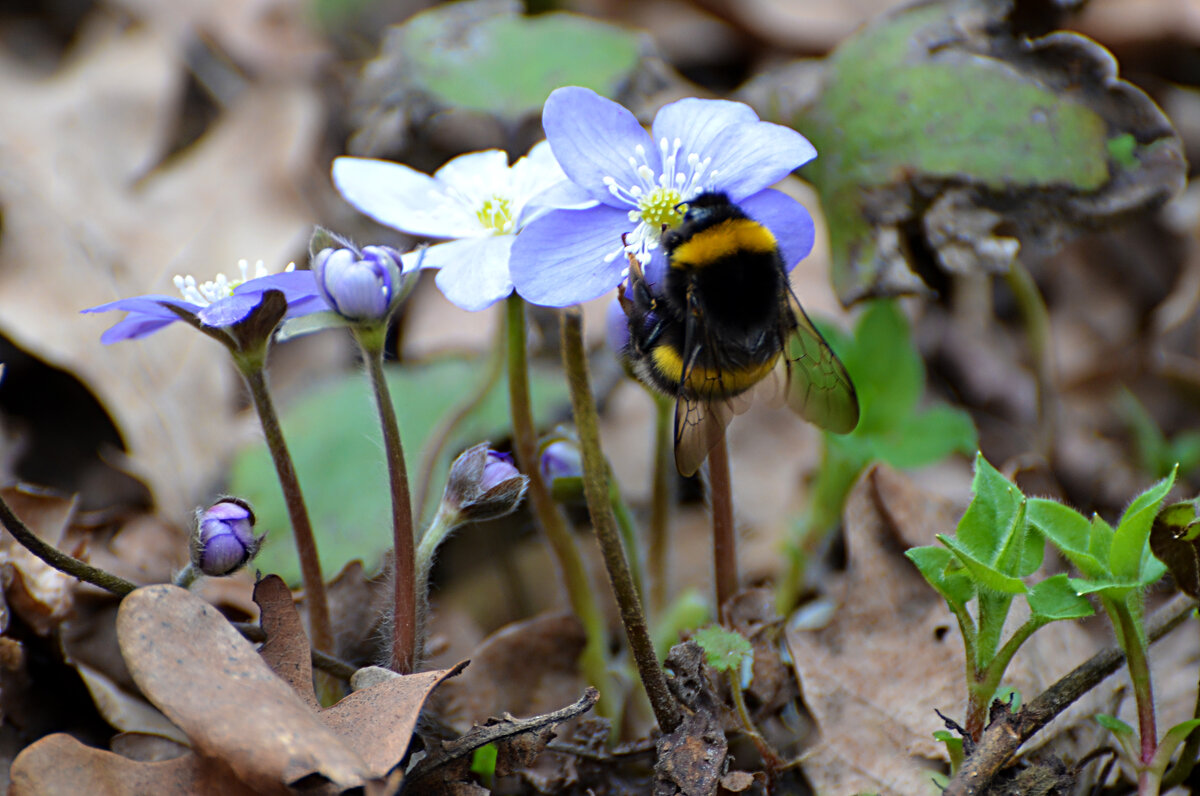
[(403, 198)]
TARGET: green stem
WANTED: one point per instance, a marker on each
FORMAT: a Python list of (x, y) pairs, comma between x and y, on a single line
[(58, 559), (445, 521), (986, 680), (660, 503), (628, 531), (1143, 690), (254, 372), (187, 576), (724, 538), (595, 488), (404, 588), (1036, 319), (436, 446), (593, 659)]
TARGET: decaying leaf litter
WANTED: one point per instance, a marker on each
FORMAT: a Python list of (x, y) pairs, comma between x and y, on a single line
[(142, 142)]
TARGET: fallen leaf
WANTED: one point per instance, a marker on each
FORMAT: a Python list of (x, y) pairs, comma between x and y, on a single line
[(211, 683), (34, 590), (60, 764), (942, 130), (129, 713), (286, 651), (88, 219), (146, 748), (526, 668), (691, 758)]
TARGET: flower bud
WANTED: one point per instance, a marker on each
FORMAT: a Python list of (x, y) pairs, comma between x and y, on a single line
[(483, 485), (361, 285), (224, 539), (561, 466)]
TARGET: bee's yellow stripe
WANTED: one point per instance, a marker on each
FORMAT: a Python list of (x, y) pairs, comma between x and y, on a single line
[(730, 237), (709, 382)]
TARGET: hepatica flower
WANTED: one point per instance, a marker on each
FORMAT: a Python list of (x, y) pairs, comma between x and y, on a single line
[(212, 306), (639, 179), (476, 199)]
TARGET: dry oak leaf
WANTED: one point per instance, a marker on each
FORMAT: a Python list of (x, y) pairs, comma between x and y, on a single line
[(89, 217)]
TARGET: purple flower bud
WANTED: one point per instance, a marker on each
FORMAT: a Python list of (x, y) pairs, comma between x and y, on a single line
[(361, 286), (498, 468), (561, 465), (483, 485), (561, 459), (224, 540)]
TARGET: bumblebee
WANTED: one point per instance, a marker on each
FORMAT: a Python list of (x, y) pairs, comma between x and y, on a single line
[(723, 321)]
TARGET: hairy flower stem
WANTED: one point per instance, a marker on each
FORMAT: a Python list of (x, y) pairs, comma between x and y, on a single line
[(58, 559), (724, 538), (441, 436), (593, 659), (254, 372), (443, 523), (404, 582), (628, 531), (595, 489), (186, 576), (660, 503)]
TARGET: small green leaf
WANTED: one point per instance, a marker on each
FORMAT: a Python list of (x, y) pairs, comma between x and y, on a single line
[(1114, 724), (1068, 530), (483, 763), (1121, 149), (724, 650), (983, 574), (943, 572), (1130, 540), (1055, 598)]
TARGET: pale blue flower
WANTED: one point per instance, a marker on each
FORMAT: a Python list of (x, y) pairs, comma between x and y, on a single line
[(640, 179)]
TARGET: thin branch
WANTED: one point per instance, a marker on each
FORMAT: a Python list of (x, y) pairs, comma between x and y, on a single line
[(1003, 737), (58, 559)]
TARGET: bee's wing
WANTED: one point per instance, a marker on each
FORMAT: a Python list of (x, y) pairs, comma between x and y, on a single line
[(699, 426), (818, 387), (700, 422)]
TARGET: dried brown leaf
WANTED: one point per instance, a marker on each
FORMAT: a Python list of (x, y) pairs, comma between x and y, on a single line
[(378, 721), (287, 649), (33, 590), (60, 764), (86, 221), (211, 683), (526, 668)]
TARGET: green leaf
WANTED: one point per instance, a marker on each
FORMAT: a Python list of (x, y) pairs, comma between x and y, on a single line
[(987, 527), (725, 650), (483, 763), (1055, 598), (334, 437), (887, 371), (985, 575), (918, 98), (926, 437), (507, 64), (943, 572), (1068, 530), (1131, 539), (1113, 724)]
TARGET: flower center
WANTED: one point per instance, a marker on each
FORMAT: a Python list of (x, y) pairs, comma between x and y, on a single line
[(661, 208), (496, 214), (206, 293), (655, 201)]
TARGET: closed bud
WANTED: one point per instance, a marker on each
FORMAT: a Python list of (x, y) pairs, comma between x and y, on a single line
[(561, 466), (224, 539), (364, 285), (483, 485)]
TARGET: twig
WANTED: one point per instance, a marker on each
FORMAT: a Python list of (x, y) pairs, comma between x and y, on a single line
[(508, 727), (58, 559), (1003, 737)]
